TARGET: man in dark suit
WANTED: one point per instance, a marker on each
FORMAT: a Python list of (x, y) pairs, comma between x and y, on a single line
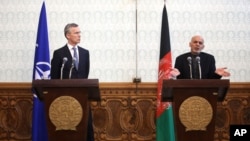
[(196, 64), (76, 63), (73, 35)]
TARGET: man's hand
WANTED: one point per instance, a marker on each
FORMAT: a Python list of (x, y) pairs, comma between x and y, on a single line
[(174, 73), (222, 72)]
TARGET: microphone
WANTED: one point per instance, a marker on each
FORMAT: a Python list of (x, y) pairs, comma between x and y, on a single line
[(72, 66), (198, 59), (189, 59), (65, 59)]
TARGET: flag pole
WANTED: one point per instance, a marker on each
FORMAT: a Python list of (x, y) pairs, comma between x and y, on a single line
[(136, 79), (136, 39)]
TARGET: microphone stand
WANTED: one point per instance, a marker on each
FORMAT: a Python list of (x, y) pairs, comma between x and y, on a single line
[(65, 59), (199, 68), (72, 66), (199, 65), (62, 71), (190, 69), (190, 66)]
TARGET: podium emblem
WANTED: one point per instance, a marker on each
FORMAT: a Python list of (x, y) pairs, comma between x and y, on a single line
[(195, 113), (65, 112)]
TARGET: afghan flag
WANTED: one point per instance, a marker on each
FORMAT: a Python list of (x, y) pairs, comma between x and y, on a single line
[(41, 70), (164, 116)]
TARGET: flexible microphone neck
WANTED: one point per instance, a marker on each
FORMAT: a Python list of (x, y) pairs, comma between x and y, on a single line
[(72, 66), (198, 59), (65, 59), (189, 59)]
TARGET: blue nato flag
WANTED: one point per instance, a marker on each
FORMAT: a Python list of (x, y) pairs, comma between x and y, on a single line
[(41, 70)]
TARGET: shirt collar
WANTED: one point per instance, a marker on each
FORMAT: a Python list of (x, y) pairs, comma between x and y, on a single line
[(71, 47)]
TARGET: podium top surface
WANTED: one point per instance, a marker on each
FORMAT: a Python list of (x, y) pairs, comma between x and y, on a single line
[(197, 83), (92, 86), (168, 86), (66, 83)]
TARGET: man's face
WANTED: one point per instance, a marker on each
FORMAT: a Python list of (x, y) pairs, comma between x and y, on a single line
[(74, 35), (196, 44)]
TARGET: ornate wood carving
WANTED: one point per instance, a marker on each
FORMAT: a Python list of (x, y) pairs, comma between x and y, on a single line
[(15, 112), (126, 111)]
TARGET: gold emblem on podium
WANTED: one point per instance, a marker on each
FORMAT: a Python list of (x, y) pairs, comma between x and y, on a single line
[(195, 113), (65, 112)]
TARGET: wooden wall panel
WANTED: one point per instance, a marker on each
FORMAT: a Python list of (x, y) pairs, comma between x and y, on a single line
[(235, 109), (15, 112), (126, 111)]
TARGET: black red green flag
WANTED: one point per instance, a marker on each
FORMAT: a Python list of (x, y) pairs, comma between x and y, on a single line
[(164, 116)]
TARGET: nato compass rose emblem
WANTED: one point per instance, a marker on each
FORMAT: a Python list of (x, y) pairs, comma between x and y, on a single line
[(42, 70)]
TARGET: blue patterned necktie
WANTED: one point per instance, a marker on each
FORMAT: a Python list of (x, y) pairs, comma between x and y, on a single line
[(76, 57)]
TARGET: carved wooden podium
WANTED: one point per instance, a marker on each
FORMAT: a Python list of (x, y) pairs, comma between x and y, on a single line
[(194, 106), (66, 106)]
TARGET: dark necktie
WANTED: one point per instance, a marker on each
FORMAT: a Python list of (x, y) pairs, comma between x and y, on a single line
[(76, 57), (195, 68)]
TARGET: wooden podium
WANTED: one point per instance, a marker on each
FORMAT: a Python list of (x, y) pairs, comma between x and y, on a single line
[(194, 105), (66, 106)]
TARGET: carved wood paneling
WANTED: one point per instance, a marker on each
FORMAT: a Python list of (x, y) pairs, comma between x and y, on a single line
[(235, 109), (15, 112), (126, 111)]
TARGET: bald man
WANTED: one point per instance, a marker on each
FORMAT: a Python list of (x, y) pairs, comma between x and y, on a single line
[(197, 64)]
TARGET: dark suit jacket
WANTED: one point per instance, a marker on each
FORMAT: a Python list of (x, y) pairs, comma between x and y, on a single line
[(82, 72), (207, 63), (56, 63)]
